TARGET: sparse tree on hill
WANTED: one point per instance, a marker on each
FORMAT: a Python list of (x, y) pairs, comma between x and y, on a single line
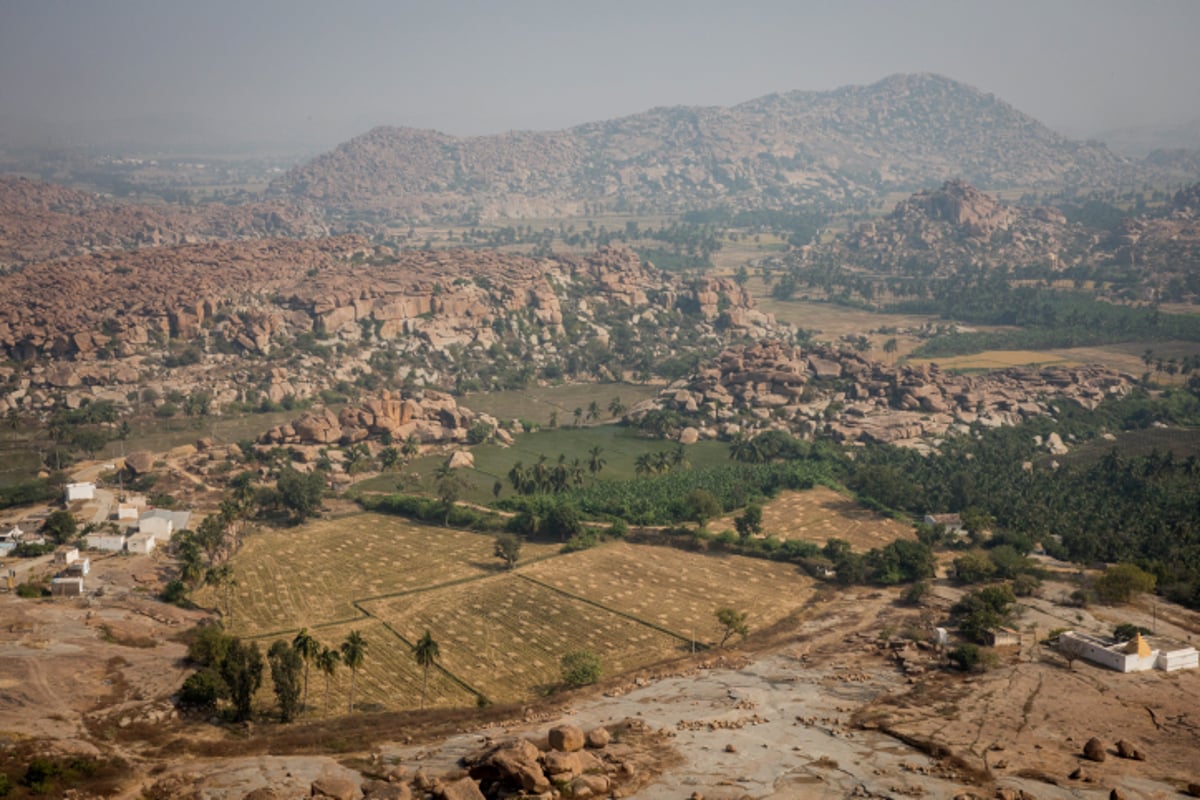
[(308, 648), (702, 506), (242, 669), (732, 622), (593, 412), (577, 414), (750, 522), (508, 547), (426, 652), (354, 650), (285, 674), (327, 661)]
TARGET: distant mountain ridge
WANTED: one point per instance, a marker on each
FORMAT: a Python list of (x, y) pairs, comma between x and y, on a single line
[(900, 134)]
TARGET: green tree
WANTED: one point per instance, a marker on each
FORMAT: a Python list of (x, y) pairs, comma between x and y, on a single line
[(286, 665), (596, 461), (426, 653), (61, 526), (300, 493), (508, 547), (354, 650), (242, 670), (732, 622), (308, 648), (749, 523), (616, 407), (973, 567), (702, 506), (580, 668), (327, 661), (1121, 581)]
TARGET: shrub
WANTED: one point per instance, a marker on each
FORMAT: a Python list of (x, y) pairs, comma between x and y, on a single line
[(31, 590), (580, 668), (966, 656), (174, 592), (201, 690)]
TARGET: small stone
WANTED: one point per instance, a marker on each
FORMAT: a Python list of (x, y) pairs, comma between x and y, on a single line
[(1094, 750), (729, 748)]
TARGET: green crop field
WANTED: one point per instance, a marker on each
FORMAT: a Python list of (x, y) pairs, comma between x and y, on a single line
[(620, 446)]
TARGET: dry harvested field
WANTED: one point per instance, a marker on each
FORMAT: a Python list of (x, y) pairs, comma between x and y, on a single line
[(307, 576), (389, 677), (820, 514), (1002, 359), (505, 635), (675, 589)]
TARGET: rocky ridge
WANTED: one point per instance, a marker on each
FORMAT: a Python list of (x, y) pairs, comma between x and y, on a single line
[(40, 221), (771, 385), (903, 132), (279, 318)]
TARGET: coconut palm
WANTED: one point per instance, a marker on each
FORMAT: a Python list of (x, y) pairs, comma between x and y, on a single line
[(327, 661), (354, 649), (595, 461), (308, 648), (426, 652)]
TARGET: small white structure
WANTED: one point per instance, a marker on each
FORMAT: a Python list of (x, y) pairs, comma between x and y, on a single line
[(951, 522), (66, 587), (106, 540), (126, 512), (1136, 655), (65, 556), (163, 523), (78, 569), (80, 491), (140, 543)]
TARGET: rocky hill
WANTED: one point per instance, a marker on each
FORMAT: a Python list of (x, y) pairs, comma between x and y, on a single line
[(902, 133), (39, 221), (771, 385), (266, 320)]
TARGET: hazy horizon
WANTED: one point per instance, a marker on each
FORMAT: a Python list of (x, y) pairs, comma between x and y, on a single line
[(312, 73)]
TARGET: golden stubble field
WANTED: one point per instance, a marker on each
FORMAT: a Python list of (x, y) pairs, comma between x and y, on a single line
[(501, 634), (820, 514)]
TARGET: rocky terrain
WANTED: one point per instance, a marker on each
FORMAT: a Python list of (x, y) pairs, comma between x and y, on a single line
[(902, 133), (279, 318), (40, 221), (958, 229), (771, 385)]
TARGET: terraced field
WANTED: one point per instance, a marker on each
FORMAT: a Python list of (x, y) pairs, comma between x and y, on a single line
[(308, 576), (678, 590), (506, 635), (502, 634)]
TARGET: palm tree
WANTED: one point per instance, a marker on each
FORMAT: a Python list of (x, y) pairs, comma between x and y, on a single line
[(595, 461), (578, 415), (643, 464), (426, 653), (662, 461), (327, 661), (593, 411), (411, 446), (616, 407), (308, 648), (354, 649), (679, 458)]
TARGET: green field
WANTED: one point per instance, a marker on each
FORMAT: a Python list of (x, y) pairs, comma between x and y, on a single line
[(620, 446)]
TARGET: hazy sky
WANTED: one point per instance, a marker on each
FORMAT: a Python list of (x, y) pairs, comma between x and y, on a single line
[(323, 71)]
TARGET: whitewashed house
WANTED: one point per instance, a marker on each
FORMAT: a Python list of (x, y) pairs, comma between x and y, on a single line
[(108, 541), (66, 587), (141, 543), (65, 556), (80, 491), (126, 512), (162, 523)]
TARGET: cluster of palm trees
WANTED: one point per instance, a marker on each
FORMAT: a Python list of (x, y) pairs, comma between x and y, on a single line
[(352, 652), (546, 478), (661, 462)]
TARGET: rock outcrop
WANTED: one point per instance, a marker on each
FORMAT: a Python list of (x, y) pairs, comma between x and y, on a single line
[(773, 385)]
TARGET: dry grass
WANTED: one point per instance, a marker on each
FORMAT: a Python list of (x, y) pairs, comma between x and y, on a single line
[(389, 678), (678, 590), (307, 576), (820, 514), (1002, 359), (506, 635)]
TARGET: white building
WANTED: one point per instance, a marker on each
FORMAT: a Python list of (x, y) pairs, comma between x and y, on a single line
[(163, 523), (66, 587), (126, 512), (64, 556), (1136, 655), (80, 491), (106, 540), (140, 543)]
